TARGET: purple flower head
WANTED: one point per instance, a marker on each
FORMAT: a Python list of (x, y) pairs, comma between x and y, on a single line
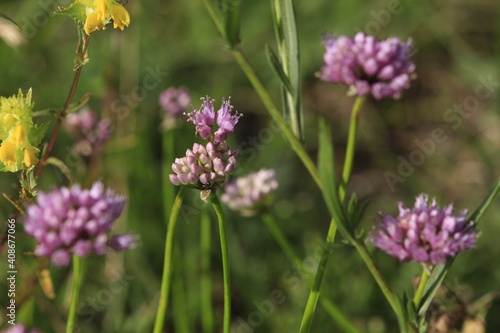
[(20, 328), (205, 118), (204, 167), (368, 65), (251, 194), (76, 221), (90, 134), (174, 101), (425, 233), (82, 121)]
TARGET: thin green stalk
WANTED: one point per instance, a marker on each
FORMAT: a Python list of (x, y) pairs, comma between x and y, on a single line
[(351, 146), (252, 76), (225, 261), (275, 114), (181, 315), (327, 304), (312, 300), (167, 263), (207, 312), (424, 277), (75, 293), (386, 290), (346, 175)]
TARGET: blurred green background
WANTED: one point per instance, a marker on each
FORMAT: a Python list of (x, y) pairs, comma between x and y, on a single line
[(457, 49)]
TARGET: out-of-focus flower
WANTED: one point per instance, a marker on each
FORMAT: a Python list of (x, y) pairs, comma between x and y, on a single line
[(174, 101), (251, 194), (91, 134), (76, 221), (205, 118), (16, 123), (425, 233), (20, 328), (204, 167), (99, 13), (11, 33), (368, 65)]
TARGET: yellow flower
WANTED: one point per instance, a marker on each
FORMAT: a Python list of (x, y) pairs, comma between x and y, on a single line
[(121, 18), (7, 153), (29, 158), (16, 125), (101, 12), (18, 136)]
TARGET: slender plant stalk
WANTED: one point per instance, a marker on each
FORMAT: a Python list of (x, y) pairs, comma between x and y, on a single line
[(62, 115), (207, 313), (225, 261), (327, 304), (346, 175), (424, 277), (167, 263), (275, 114), (247, 68), (351, 146), (386, 290), (75, 293), (312, 300)]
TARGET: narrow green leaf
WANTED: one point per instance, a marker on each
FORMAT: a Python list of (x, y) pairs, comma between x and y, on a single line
[(410, 309), (326, 168), (75, 106), (277, 67), (46, 112), (435, 280), (439, 272), (232, 17), (289, 55), (479, 212), (61, 166)]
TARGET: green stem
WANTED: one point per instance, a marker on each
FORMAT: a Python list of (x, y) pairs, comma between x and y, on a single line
[(275, 114), (225, 261), (346, 175), (75, 292), (386, 290), (207, 315), (327, 304), (167, 263), (351, 146), (252, 76), (312, 300), (421, 286)]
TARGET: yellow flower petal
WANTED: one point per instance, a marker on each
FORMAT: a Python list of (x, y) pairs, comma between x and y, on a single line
[(102, 9), (29, 158), (18, 136), (7, 153), (92, 23), (120, 15)]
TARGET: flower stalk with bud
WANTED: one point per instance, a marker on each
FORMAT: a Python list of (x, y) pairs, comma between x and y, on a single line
[(205, 167)]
